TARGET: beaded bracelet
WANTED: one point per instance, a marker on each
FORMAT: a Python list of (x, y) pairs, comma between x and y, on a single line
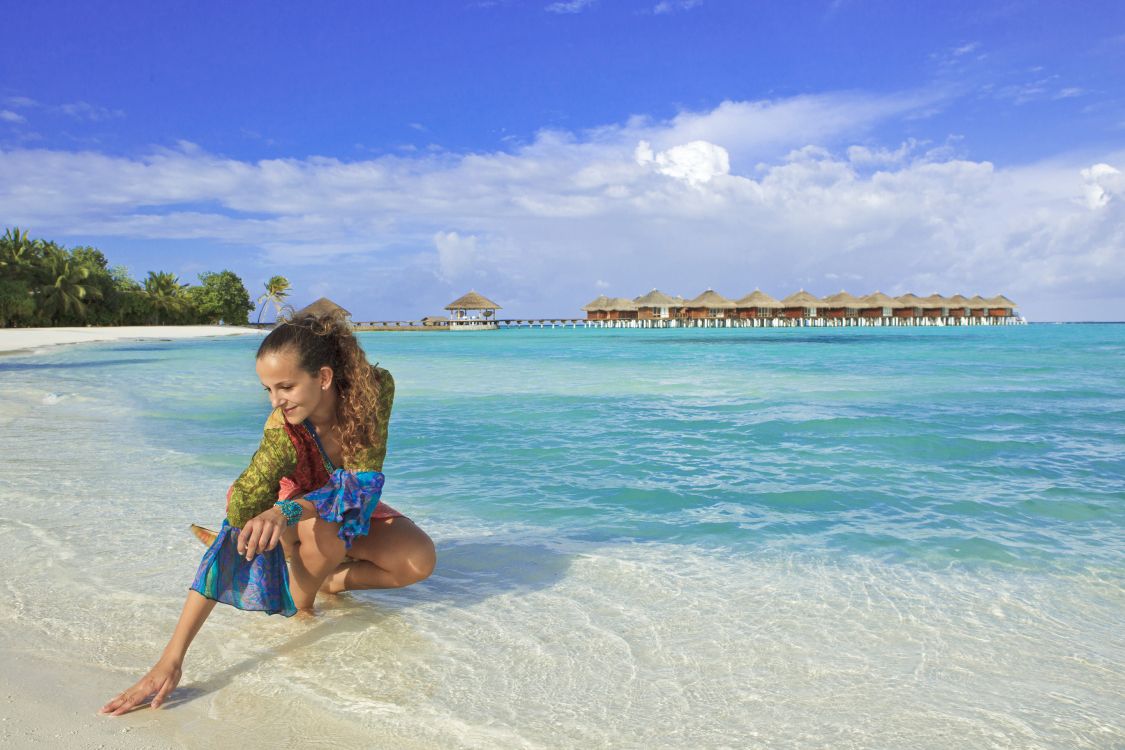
[(292, 510)]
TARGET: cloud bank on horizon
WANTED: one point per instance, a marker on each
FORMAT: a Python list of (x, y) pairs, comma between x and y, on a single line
[(778, 193), (734, 198)]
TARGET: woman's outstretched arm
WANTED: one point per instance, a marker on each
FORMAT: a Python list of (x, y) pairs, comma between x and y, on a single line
[(165, 675)]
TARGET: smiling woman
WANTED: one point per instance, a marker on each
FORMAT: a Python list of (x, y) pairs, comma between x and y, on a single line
[(310, 494)]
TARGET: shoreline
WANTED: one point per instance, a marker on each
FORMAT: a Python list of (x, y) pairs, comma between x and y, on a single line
[(20, 340)]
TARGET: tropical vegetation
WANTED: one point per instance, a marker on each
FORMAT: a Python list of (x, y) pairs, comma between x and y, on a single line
[(43, 283)]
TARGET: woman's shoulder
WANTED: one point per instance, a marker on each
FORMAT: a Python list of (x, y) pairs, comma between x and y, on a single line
[(275, 421), (382, 375)]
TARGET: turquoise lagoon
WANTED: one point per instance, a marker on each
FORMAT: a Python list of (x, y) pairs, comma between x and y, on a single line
[(683, 538)]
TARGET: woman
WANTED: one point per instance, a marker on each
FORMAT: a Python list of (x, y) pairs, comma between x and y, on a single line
[(313, 486)]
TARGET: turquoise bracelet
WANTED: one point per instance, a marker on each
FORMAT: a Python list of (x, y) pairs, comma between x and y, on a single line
[(292, 510)]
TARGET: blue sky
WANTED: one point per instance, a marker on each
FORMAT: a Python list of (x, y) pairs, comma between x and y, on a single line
[(394, 155)]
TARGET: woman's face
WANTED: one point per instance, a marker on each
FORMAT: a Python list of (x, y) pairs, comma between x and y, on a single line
[(290, 387)]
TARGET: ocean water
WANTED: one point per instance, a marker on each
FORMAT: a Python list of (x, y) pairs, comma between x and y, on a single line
[(722, 539)]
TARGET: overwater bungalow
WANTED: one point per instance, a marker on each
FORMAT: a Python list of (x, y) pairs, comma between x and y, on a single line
[(909, 306), (978, 306), (839, 305), (708, 305), (472, 312), (657, 305), (758, 309), (619, 308), (595, 310), (757, 305), (935, 306), (800, 304), (877, 305), (1001, 307)]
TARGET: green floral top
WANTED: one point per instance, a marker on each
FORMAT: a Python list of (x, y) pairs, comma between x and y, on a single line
[(278, 456)]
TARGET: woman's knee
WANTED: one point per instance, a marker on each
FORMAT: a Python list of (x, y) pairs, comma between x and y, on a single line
[(420, 563)]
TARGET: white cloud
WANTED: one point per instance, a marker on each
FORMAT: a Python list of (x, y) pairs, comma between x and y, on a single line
[(1102, 182), (8, 115), (695, 162), (89, 112), (671, 6), (735, 198), (569, 6)]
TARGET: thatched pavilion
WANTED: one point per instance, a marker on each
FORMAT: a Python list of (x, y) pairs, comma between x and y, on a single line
[(656, 305), (934, 307), (709, 304), (472, 311), (756, 304), (958, 306), (595, 309), (322, 306), (802, 309), (908, 306), (619, 308), (800, 305), (839, 305), (1000, 307)]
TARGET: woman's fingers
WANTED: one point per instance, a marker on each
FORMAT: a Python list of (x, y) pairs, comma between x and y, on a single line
[(168, 686), (161, 680), (275, 537), (248, 539), (127, 700)]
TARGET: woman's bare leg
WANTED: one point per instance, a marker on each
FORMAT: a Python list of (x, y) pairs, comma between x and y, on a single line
[(394, 554), (314, 551)]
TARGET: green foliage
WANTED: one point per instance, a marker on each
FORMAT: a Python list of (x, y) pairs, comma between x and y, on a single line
[(277, 289), (166, 297), (61, 299), (45, 284), (222, 297), (16, 305)]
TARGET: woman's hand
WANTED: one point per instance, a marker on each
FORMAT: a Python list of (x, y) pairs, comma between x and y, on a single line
[(161, 679), (261, 533)]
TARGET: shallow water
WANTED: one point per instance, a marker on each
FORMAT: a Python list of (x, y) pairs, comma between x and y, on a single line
[(736, 538)]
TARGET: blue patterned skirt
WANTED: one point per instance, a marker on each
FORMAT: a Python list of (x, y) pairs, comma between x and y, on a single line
[(262, 584)]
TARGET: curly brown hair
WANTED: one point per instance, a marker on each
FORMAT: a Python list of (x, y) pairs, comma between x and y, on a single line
[(327, 341)]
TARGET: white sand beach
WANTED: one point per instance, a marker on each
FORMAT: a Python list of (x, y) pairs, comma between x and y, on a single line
[(21, 339)]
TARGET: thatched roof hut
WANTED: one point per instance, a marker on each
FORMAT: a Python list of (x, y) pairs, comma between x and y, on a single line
[(802, 299), (321, 307), (711, 300), (878, 299), (911, 300), (620, 304), (935, 300), (758, 298), (472, 301), (1001, 301), (655, 298), (978, 302), (841, 299), (597, 304)]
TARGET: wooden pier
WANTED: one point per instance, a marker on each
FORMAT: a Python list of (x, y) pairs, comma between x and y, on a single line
[(715, 322)]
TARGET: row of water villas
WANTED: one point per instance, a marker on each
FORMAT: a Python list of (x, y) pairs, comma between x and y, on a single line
[(760, 310)]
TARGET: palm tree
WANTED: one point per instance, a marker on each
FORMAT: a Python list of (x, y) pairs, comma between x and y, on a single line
[(65, 295), (277, 289), (164, 292), (15, 249)]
